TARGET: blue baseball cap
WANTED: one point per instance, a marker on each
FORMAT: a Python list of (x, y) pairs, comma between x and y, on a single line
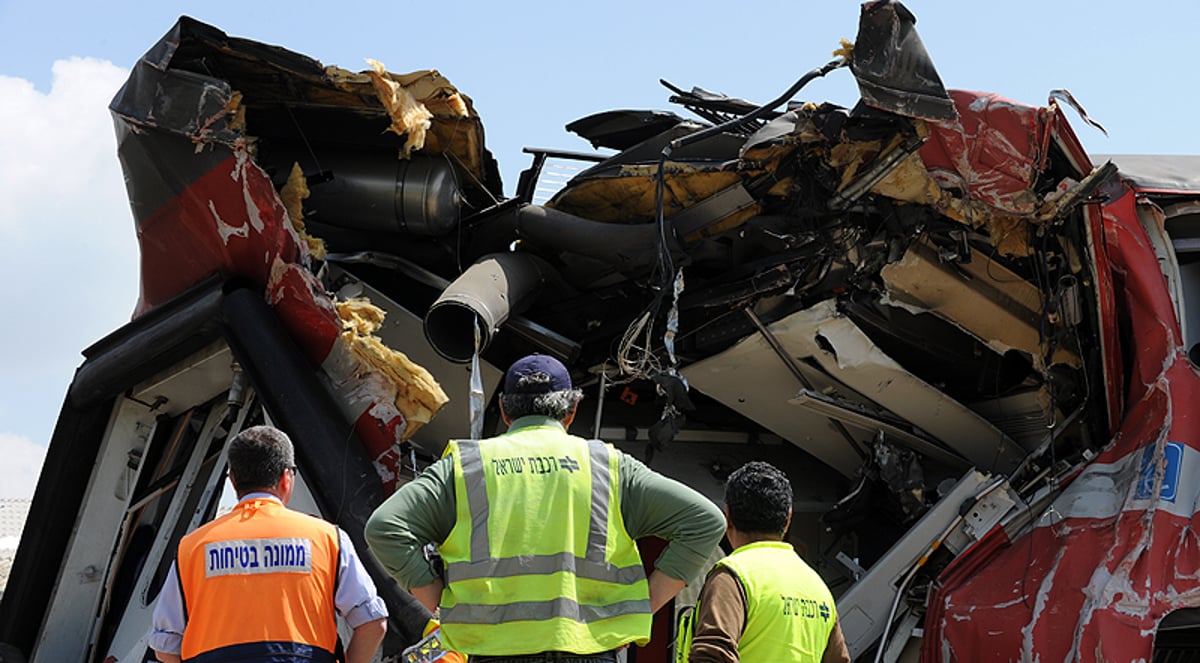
[(558, 378)]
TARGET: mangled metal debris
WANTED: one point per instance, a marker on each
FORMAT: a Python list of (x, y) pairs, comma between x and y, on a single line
[(966, 339)]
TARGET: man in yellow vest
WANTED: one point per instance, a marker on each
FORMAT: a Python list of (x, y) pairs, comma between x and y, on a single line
[(536, 530), (262, 582), (762, 602)]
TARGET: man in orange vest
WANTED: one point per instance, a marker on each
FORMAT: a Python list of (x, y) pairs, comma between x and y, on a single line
[(262, 582)]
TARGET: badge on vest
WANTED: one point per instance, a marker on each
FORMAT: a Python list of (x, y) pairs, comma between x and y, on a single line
[(533, 465), (427, 649), (251, 556), (795, 606)]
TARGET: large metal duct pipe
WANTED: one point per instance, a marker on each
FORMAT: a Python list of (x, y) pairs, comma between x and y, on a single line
[(624, 246), (627, 247), (377, 191), (496, 286)]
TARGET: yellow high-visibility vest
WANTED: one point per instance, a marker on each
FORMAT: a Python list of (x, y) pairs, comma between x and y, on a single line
[(790, 612), (539, 559)]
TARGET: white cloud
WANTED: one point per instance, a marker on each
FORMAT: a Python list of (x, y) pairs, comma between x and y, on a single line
[(59, 148), (21, 466), (71, 264)]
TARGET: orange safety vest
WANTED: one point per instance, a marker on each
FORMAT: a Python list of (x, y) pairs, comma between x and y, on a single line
[(259, 582)]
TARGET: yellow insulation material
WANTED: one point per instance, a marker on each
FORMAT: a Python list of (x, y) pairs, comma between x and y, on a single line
[(293, 194), (409, 117), (434, 91), (427, 86), (234, 106), (454, 128), (418, 395), (845, 49)]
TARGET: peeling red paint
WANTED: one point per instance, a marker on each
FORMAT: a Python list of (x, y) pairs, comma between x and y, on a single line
[(1117, 549), (359, 391), (992, 150), (230, 222)]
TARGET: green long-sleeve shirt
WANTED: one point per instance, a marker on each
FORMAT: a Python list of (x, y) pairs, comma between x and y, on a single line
[(423, 511)]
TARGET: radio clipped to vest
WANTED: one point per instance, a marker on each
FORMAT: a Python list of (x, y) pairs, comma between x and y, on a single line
[(429, 648)]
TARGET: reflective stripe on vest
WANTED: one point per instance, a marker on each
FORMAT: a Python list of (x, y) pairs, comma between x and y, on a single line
[(260, 581), (559, 575), (789, 609)]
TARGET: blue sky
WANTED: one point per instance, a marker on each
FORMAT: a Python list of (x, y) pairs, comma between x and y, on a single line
[(530, 67)]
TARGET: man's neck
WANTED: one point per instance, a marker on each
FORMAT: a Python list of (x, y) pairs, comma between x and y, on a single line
[(737, 538), (259, 494)]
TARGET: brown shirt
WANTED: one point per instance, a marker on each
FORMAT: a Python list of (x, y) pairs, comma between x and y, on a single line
[(721, 619)]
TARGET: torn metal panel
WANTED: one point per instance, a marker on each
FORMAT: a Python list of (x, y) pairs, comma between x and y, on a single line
[(849, 356), (893, 70), (623, 129), (267, 109), (1154, 222), (993, 151), (1112, 347), (981, 296), (855, 414), (866, 609), (854, 363), (225, 216), (750, 379), (910, 181), (1116, 552)]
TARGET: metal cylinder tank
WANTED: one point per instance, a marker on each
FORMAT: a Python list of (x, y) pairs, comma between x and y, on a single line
[(379, 192)]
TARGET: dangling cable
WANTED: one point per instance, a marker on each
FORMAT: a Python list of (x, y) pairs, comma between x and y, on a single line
[(476, 389)]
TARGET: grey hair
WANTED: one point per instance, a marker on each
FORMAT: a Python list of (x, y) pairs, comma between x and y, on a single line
[(257, 458), (554, 404)]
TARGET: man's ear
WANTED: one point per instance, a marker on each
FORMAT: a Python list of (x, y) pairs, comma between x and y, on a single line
[(286, 486), (503, 415), (566, 422)]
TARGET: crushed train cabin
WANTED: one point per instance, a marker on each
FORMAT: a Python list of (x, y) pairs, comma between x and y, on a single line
[(964, 338)]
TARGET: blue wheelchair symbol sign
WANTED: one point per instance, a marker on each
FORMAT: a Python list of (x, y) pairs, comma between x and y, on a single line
[(1173, 458)]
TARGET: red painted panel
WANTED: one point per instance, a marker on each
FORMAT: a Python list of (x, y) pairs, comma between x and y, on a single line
[(230, 221), (991, 151), (1118, 550)]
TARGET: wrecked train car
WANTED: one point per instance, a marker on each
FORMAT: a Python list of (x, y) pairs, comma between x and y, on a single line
[(964, 338)]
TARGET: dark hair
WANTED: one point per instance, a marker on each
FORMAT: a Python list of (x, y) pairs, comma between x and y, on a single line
[(257, 458), (553, 404), (759, 497)]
